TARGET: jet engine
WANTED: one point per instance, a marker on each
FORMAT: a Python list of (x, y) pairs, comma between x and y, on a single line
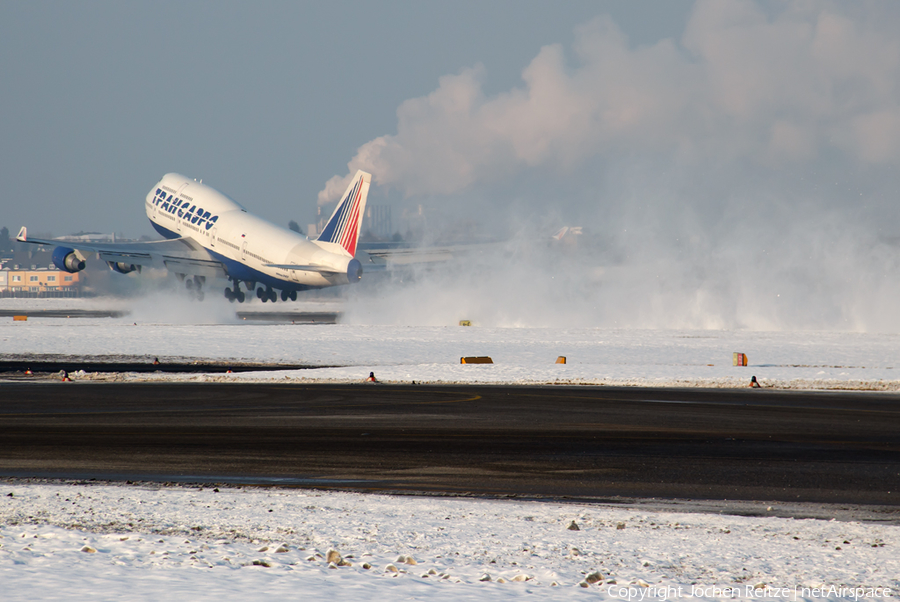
[(354, 271), (122, 268), (67, 260)]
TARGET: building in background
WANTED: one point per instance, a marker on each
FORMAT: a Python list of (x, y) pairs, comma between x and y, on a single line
[(38, 282), (90, 237), (378, 221)]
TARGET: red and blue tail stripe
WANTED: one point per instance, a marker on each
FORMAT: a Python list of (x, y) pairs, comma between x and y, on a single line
[(344, 225)]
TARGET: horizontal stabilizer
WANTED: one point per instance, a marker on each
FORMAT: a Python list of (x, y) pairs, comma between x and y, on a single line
[(321, 269), (414, 255)]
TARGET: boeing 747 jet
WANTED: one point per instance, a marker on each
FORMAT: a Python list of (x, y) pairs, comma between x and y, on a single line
[(209, 235)]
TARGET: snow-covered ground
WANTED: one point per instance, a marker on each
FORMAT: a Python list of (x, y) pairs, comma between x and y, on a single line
[(149, 542), (813, 360), (146, 542)]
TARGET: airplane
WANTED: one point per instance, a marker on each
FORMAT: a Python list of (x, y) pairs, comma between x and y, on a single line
[(209, 235)]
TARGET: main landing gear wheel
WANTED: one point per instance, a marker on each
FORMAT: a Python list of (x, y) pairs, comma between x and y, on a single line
[(266, 294), (293, 295), (195, 287), (235, 294), (284, 295)]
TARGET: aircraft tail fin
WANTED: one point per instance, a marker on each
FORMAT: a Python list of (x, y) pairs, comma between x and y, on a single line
[(344, 225)]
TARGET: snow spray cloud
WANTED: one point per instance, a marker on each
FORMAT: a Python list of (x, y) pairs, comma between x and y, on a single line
[(743, 176), (157, 296), (536, 282)]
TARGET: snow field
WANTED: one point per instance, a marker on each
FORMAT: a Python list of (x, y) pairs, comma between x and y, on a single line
[(107, 541), (143, 542), (807, 360)]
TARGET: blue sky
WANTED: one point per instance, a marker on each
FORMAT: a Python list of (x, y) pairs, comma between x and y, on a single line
[(265, 101)]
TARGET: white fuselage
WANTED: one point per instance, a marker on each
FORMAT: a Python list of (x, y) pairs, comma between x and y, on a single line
[(248, 246)]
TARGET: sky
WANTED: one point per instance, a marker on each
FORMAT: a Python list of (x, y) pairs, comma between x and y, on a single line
[(739, 158), (265, 101)]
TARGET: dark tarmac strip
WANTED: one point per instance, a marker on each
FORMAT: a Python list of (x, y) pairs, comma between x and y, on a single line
[(62, 313), (282, 317), (47, 367), (590, 443), (292, 317)]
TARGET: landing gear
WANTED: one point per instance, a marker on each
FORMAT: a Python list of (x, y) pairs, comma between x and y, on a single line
[(195, 287), (266, 294), (293, 295), (284, 295), (236, 294)]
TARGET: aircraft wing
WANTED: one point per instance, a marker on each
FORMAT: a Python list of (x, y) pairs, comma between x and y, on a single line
[(177, 254)]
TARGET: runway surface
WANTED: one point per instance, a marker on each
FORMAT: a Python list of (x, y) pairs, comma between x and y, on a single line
[(49, 367), (579, 442), (63, 313), (284, 317)]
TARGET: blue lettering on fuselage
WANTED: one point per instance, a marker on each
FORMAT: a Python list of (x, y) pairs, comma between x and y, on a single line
[(168, 202)]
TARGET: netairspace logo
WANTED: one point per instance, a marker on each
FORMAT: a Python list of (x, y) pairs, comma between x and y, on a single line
[(751, 592)]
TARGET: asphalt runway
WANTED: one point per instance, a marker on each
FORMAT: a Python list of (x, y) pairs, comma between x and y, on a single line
[(284, 317), (560, 442), (62, 313), (48, 367)]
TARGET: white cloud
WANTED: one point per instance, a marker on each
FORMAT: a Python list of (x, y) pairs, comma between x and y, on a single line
[(741, 85)]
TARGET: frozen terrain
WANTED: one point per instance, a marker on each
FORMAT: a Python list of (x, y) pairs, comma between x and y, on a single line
[(134, 542), (94, 541), (348, 352)]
